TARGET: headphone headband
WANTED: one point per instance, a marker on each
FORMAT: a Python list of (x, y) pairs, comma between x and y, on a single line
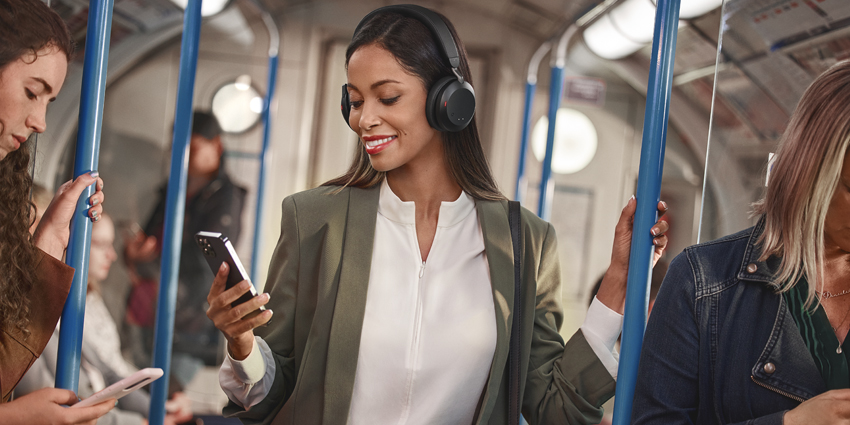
[(431, 20)]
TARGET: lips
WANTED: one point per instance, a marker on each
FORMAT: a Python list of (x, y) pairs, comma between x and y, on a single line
[(19, 141), (375, 144)]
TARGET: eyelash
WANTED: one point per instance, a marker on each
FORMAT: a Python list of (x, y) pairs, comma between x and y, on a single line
[(358, 103), (30, 95)]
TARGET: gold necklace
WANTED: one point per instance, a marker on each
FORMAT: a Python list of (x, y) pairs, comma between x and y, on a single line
[(827, 295), (835, 328)]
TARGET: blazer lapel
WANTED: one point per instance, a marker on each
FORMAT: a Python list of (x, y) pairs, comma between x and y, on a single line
[(350, 304), (493, 217)]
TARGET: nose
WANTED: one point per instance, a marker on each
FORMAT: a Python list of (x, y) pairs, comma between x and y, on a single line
[(36, 119), (112, 255), (368, 116)]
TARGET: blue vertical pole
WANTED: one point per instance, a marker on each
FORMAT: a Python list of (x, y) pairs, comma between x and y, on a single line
[(546, 185), (88, 147), (649, 188), (264, 163), (523, 144), (175, 207)]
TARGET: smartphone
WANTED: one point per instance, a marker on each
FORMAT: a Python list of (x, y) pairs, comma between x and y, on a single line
[(218, 249), (123, 387)]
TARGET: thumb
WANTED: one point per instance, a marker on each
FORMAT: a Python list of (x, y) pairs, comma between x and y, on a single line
[(60, 396)]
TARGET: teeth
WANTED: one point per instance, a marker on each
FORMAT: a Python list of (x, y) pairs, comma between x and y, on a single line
[(374, 143)]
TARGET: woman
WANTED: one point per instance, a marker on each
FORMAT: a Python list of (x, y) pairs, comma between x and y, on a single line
[(34, 282), (386, 280), (752, 327)]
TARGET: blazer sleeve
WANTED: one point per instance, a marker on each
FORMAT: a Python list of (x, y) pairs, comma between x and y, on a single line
[(282, 286), (566, 384)]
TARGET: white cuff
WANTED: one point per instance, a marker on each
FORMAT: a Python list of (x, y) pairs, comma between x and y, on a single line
[(601, 329), (251, 369), (249, 381)]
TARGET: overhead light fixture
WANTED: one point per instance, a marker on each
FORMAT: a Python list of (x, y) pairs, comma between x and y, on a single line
[(575, 141), (208, 7), (607, 42), (629, 26), (690, 9)]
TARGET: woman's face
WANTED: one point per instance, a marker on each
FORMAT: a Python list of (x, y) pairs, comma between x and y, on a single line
[(388, 111), (102, 253), (837, 223), (27, 86)]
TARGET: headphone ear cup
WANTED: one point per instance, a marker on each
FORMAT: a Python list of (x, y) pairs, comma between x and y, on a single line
[(451, 105), (345, 104)]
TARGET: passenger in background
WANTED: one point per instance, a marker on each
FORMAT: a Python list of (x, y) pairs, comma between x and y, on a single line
[(34, 55), (41, 198), (102, 363), (214, 203), (392, 285), (752, 327)]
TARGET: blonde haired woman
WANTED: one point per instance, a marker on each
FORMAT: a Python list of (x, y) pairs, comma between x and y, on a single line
[(752, 327)]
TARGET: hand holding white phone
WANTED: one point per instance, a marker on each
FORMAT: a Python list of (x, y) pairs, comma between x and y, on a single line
[(123, 387)]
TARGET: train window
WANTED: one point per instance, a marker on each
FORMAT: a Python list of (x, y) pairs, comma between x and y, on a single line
[(575, 141), (237, 105)]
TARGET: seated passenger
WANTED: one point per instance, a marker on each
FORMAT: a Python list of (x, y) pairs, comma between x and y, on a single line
[(393, 285), (102, 363), (214, 203), (752, 327)]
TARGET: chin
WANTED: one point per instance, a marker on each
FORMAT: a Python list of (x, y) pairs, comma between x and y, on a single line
[(382, 166)]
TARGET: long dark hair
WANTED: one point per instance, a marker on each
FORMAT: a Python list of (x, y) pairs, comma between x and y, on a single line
[(414, 47), (26, 27)]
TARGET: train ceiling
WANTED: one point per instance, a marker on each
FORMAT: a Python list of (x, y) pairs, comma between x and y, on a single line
[(772, 49)]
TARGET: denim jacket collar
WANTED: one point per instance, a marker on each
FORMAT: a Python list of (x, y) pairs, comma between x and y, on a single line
[(752, 268), (785, 364)]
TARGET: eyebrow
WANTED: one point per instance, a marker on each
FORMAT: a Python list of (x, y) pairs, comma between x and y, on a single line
[(47, 87), (375, 85)]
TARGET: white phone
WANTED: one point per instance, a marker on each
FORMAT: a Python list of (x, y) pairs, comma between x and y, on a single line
[(123, 387)]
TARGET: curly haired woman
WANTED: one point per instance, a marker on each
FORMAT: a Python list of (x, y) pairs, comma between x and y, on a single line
[(34, 282)]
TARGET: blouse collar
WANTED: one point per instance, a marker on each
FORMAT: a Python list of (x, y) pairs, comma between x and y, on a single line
[(451, 213)]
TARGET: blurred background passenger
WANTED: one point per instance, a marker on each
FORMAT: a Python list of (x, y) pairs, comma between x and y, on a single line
[(102, 363), (41, 198), (753, 327), (34, 55), (213, 203)]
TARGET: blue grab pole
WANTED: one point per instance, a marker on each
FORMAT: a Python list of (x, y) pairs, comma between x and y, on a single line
[(648, 191), (523, 144), (546, 185), (264, 163), (88, 147), (175, 207)]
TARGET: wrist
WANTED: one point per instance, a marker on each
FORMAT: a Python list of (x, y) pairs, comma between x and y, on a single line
[(612, 291), (49, 244), (239, 348)]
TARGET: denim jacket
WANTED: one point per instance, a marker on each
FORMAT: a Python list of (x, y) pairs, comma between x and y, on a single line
[(721, 346)]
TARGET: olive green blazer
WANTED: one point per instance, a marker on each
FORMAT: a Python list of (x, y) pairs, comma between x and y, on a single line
[(318, 279)]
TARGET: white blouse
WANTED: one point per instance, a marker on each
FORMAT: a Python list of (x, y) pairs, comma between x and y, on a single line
[(429, 333)]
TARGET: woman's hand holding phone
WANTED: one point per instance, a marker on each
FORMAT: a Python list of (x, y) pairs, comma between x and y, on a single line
[(45, 406), (232, 321)]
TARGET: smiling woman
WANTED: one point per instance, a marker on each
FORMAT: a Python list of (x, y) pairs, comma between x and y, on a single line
[(392, 284), (34, 58)]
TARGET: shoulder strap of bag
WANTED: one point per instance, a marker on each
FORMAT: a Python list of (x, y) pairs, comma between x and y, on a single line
[(516, 323)]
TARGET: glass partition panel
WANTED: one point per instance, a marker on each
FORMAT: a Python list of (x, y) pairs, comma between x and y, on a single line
[(769, 52)]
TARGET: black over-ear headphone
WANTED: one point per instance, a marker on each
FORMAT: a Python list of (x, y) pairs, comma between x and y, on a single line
[(451, 100)]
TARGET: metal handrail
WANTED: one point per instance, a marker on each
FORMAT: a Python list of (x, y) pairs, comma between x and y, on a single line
[(659, 90), (175, 207), (93, 90)]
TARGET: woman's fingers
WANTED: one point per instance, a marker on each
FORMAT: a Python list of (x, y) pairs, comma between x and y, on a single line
[(90, 413), (218, 283), (245, 325), (661, 227)]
